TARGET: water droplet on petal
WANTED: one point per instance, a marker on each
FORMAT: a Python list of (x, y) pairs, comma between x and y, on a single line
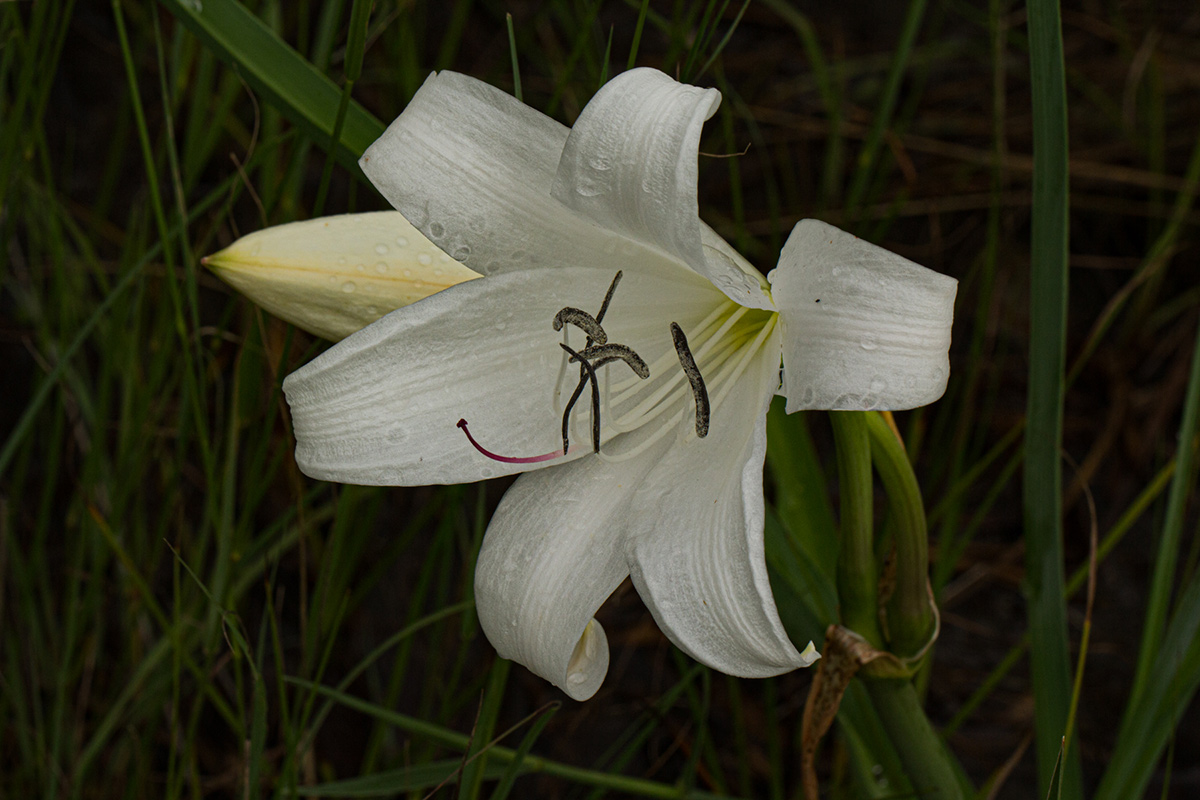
[(425, 259), (361, 267), (436, 230), (381, 267), (381, 249), (869, 341), (462, 253), (348, 287), (401, 241)]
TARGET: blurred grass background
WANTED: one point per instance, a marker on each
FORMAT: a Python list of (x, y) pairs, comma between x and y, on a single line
[(173, 591)]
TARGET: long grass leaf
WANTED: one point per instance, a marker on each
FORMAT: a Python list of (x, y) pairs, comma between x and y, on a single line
[(1168, 669), (460, 741), (297, 89), (1043, 437)]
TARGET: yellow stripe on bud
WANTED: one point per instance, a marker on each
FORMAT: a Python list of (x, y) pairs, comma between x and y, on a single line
[(334, 275)]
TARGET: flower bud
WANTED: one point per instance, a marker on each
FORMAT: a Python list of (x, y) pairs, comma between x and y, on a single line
[(334, 275)]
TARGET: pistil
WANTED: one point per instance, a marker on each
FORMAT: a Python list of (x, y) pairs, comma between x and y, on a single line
[(462, 423)]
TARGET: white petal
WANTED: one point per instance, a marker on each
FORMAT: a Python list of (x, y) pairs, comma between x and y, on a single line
[(471, 167), (554, 551), (630, 165), (863, 327), (334, 275), (382, 406), (696, 551)]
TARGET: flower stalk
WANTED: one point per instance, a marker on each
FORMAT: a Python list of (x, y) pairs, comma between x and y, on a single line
[(857, 571), (909, 611), (885, 663)]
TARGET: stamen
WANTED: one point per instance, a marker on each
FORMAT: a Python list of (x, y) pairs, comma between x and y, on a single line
[(607, 353), (582, 320), (571, 404), (462, 423), (608, 297), (595, 402), (699, 392)]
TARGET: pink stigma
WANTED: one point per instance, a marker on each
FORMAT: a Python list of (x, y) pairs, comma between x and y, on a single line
[(462, 423)]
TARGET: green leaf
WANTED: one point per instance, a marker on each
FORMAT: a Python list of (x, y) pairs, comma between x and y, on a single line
[(1043, 435), (394, 781), (288, 81), (1163, 689)]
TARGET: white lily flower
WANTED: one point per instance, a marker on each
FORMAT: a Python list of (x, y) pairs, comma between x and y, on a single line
[(661, 476)]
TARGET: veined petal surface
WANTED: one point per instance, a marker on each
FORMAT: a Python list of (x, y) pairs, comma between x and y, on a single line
[(630, 166), (472, 166), (554, 551), (334, 275), (863, 328), (696, 547), (382, 406)]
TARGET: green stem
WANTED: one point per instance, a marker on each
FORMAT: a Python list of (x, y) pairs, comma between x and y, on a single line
[(928, 764), (857, 573), (910, 619)]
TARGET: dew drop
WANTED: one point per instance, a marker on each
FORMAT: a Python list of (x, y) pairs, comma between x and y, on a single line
[(425, 259), (348, 287), (407, 273), (341, 259), (601, 163), (438, 272), (333, 278), (381, 267), (878, 385), (381, 249), (361, 267), (445, 259), (462, 253), (869, 342), (401, 241), (589, 188), (436, 230)]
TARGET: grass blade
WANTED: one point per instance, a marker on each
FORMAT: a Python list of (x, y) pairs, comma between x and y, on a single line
[(301, 92), (1043, 435)]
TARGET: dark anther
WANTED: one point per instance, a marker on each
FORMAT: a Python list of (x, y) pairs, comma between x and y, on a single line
[(582, 320), (606, 353), (694, 378), (598, 350), (591, 375)]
